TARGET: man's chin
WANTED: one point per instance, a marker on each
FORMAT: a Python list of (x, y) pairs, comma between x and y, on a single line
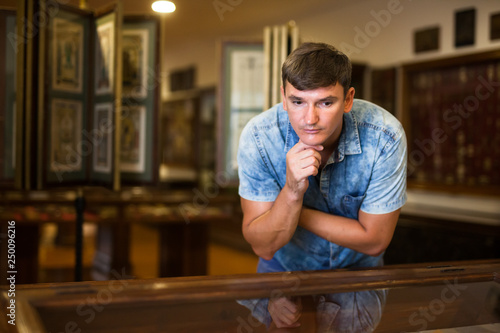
[(312, 141)]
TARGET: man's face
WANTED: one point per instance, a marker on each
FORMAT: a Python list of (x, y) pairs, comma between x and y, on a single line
[(316, 115)]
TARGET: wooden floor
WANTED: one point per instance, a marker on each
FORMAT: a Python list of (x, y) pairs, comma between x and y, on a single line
[(57, 261)]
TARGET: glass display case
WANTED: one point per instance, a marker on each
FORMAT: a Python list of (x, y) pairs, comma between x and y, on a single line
[(419, 297)]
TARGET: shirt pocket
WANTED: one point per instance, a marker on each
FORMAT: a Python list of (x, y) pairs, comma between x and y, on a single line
[(350, 205)]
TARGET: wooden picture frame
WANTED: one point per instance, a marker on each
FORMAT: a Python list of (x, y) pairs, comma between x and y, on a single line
[(240, 97), (67, 55)]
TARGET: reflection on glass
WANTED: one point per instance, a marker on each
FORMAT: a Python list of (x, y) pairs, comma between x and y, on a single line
[(409, 298)]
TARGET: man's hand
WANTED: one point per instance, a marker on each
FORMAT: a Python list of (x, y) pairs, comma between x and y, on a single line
[(268, 226), (285, 312), (302, 161)]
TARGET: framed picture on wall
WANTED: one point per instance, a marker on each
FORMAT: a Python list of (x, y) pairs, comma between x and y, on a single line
[(426, 39), (105, 58), (66, 135), (241, 97), (133, 139), (67, 55), (134, 57), (465, 27), (103, 130), (495, 26)]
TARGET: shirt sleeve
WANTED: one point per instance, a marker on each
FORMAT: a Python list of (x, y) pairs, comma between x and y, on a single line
[(387, 188), (256, 182)]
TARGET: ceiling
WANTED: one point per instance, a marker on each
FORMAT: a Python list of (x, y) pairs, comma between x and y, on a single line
[(201, 19)]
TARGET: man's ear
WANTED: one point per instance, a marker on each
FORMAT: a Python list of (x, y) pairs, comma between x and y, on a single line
[(349, 99)]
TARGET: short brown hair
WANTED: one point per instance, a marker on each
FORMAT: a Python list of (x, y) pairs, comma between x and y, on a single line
[(316, 65)]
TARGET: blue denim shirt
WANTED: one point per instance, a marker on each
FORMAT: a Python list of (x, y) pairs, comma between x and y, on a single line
[(367, 171)]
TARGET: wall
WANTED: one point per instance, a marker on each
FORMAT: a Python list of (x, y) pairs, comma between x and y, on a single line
[(391, 44), (383, 29)]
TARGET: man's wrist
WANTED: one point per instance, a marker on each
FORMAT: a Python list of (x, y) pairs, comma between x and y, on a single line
[(292, 197)]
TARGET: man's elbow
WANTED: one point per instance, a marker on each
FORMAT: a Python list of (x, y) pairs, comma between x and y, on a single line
[(378, 248), (375, 251), (263, 253)]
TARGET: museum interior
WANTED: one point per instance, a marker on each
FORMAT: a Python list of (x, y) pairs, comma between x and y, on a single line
[(119, 132)]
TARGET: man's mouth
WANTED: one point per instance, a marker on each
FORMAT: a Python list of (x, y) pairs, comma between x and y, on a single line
[(311, 130)]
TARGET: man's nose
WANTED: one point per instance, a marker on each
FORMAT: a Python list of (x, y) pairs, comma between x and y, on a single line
[(311, 115)]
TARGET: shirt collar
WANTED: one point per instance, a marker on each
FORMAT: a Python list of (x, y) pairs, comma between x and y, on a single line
[(349, 143)]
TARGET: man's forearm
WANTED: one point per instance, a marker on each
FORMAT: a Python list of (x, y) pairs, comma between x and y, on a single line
[(362, 236), (273, 229)]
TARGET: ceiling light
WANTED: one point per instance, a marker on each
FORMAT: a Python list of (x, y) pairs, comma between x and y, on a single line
[(163, 6)]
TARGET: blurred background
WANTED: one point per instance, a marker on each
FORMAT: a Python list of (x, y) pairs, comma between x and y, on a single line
[(149, 185)]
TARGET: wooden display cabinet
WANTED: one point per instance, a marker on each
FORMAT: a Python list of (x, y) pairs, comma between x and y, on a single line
[(420, 297), (187, 145), (182, 218), (452, 121)]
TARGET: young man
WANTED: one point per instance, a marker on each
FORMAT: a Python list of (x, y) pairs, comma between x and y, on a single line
[(322, 180)]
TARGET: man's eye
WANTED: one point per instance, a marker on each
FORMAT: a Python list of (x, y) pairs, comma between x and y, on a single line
[(297, 102), (327, 104)]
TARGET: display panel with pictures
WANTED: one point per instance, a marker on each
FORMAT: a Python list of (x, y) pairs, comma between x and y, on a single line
[(67, 142), (77, 136), (140, 89), (241, 97), (105, 89)]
